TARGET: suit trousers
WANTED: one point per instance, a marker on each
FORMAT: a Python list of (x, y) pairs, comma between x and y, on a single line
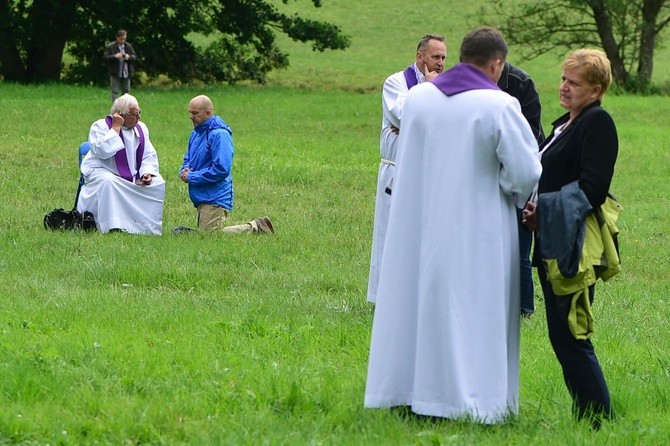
[(526, 268), (119, 85)]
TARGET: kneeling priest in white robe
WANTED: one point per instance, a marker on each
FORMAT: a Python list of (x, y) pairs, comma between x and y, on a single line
[(123, 188), (445, 336)]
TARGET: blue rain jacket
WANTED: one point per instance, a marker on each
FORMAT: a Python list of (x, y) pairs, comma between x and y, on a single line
[(210, 157)]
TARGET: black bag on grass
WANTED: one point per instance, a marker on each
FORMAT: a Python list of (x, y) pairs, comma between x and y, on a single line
[(60, 219)]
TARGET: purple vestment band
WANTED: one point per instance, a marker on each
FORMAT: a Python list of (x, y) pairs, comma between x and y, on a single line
[(121, 158), (463, 77), (410, 77)]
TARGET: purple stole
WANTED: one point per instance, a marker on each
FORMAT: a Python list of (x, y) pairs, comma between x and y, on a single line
[(410, 77), (463, 77), (121, 158)]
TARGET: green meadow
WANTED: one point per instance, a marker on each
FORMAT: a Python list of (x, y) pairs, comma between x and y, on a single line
[(256, 340)]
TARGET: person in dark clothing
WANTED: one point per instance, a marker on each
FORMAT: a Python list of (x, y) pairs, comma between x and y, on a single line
[(519, 84), (120, 57)]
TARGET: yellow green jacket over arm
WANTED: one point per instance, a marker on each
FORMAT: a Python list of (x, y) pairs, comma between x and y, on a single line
[(578, 246)]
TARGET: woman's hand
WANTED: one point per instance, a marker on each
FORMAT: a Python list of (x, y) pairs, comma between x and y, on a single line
[(529, 216)]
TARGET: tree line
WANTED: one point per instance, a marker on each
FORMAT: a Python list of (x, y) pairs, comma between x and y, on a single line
[(241, 36), (628, 31)]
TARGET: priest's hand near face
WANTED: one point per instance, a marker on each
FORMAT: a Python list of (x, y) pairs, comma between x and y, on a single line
[(117, 122), (430, 75)]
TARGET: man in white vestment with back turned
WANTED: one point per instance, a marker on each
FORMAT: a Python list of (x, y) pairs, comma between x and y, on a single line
[(445, 336), (123, 188)]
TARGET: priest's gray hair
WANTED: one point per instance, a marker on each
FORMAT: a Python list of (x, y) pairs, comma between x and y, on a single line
[(423, 43), (123, 103)]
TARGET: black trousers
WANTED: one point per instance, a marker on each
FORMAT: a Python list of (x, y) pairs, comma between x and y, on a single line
[(581, 369)]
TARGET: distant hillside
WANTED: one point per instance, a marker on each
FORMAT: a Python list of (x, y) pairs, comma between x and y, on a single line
[(384, 37)]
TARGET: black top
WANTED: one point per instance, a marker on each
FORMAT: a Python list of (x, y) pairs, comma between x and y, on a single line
[(585, 151), (519, 84)]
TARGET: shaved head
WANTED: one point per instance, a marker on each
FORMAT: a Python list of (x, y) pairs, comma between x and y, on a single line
[(202, 102), (200, 109)]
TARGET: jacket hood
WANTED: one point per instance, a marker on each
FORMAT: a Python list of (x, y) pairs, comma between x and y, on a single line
[(215, 122)]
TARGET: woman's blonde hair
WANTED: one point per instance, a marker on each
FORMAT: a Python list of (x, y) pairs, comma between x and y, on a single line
[(595, 66)]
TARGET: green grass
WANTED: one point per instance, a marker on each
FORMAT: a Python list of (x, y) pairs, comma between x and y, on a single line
[(264, 340)]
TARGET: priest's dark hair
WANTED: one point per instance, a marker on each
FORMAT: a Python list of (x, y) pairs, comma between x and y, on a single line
[(482, 45)]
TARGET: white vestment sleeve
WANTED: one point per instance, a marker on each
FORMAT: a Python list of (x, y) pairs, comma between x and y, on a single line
[(105, 142), (394, 93), (517, 151)]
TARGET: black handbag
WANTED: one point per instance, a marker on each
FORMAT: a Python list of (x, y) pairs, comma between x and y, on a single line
[(60, 219)]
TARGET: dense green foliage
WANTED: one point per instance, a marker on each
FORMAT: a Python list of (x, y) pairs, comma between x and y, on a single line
[(241, 37), (264, 340), (628, 31)]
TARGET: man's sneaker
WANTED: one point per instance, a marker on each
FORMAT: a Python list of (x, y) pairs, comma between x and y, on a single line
[(264, 226)]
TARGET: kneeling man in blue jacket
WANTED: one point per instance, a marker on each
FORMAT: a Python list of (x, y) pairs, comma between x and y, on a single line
[(207, 169)]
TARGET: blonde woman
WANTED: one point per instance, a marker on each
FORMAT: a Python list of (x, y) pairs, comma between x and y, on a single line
[(581, 151)]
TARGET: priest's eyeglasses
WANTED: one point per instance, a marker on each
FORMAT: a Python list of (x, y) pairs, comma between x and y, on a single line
[(131, 115)]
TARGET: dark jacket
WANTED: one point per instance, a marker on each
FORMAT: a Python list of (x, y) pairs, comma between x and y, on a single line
[(561, 218), (113, 63), (584, 152), (579, 246), (516, 82)]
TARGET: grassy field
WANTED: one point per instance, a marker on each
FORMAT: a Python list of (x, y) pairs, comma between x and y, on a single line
[(264, 340)]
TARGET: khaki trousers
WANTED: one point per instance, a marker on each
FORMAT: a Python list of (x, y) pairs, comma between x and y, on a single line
[(212, 218)]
